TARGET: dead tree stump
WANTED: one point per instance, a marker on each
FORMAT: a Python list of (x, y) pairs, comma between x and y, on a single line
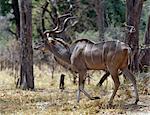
[(61, 84)]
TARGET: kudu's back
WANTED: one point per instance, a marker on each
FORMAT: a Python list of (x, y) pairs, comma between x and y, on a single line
[(101, 55)]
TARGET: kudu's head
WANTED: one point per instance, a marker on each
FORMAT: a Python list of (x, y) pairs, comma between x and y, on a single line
[(48, 42)]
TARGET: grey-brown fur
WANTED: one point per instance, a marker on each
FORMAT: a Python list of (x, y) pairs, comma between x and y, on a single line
[(110, 55), (84, 55)]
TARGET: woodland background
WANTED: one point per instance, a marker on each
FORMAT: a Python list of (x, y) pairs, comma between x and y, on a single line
[(98, 20)]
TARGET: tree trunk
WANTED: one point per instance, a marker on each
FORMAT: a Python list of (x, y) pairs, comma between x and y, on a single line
[(99, 7), (62, 83), (26, 57), (134, 8), (15, 7), (145, 52), (147, 33)]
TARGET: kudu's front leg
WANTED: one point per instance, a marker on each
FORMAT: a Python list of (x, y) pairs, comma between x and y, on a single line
[(82, 77), (81, 86)]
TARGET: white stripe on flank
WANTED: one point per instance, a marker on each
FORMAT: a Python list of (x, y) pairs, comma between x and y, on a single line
[(100, 54), (103, 58), (85, 48), (92, 55), (116, 47)]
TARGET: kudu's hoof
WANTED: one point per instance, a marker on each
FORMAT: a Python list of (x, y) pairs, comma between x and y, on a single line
[(94, 98)]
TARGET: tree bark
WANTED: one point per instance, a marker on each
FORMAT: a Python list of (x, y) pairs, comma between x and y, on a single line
[(144, 56), (147, 33), (134, 8), (26, 57), (15, 7), (99, 7)]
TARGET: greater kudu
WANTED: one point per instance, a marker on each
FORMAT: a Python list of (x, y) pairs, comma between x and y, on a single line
[(83, 55)]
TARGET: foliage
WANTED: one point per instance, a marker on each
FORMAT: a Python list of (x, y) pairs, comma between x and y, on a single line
[(144, 19), (92, 35), (5, 6), (4, 24), (115, 12), (84, 10)]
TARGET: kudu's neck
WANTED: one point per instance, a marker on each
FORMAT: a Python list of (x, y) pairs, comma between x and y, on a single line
[(61, 51)]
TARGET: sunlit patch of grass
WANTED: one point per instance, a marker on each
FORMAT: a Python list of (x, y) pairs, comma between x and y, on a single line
[(6, 81)]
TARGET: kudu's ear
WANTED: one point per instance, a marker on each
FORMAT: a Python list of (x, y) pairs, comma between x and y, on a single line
[(50, 38), (46, 33)]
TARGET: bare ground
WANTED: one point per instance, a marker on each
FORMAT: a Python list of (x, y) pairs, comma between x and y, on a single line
[(47, 99), (53, 101)]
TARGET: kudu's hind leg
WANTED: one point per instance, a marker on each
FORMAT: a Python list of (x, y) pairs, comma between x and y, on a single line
[(104, 77), (131, 77), (115, 78)]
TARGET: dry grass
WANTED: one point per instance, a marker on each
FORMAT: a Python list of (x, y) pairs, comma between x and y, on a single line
[(47, 99)]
